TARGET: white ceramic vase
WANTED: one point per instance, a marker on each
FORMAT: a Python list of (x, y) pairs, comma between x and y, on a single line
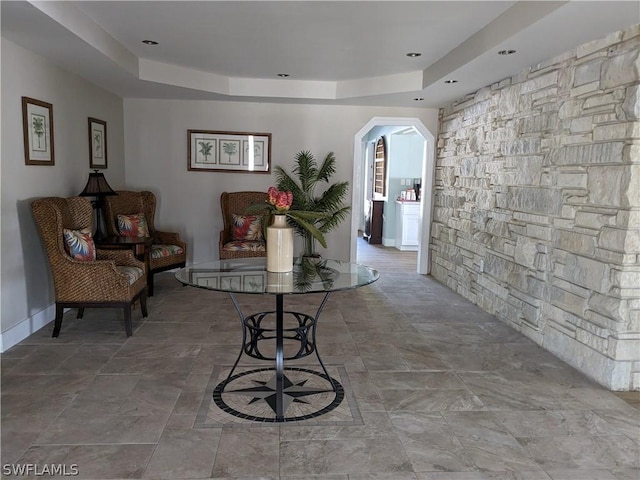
[(279, 245)]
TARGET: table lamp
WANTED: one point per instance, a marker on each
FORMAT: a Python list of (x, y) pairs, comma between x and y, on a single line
[(98, 187)]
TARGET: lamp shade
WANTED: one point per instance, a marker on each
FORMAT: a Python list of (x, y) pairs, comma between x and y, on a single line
[(97, 186)]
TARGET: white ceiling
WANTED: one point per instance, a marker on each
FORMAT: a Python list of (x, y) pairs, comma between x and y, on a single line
[(340, 52)]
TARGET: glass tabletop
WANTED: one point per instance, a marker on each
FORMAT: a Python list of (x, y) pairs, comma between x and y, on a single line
[(249, 275)]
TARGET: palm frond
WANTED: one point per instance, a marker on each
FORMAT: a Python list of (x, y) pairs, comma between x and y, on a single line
[(309, 227), (328, 167), (333, 197), (306, 169), (285, 182), (313, 216), (331, 222)]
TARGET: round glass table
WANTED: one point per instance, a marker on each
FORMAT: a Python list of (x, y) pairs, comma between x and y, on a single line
[(259, 330)]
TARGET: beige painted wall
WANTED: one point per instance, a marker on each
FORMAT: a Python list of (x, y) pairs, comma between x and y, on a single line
[(27, 289), (156, 157)]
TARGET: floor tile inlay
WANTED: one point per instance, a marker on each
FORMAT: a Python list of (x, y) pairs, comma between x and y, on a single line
[(266, 390), (250, 397)]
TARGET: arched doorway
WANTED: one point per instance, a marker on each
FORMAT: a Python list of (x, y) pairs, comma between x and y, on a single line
[(359, 153)]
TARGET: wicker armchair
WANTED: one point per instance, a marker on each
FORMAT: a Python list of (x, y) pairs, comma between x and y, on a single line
[(161, 258), (86, 283), (236, 203)]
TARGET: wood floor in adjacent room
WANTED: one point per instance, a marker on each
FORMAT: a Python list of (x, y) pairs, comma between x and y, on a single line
[(387, 259)]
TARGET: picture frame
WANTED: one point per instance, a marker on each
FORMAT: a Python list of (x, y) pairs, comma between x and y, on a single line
[(97, 143), (37, 128), (251, 281), (240, 152)]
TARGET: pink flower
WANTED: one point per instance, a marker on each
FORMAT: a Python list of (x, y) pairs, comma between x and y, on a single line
[(272, 192), (281, 200)]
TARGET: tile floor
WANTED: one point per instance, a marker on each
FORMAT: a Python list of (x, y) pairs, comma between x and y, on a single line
[(444, 391)]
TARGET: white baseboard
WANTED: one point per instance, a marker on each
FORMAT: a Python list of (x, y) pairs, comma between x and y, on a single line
[(14, 335), (408, 248)]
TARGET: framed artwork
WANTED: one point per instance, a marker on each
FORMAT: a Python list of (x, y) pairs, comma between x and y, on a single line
[(231, 282), (205, 278), (97, 143), (253, 282), (37, 127), (229, 151), (236, 281)]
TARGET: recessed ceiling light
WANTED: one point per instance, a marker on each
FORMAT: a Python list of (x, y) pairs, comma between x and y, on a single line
[(418, 99), (506, 52), (283, 75), (451, 81), (149, 42), (413, 54)]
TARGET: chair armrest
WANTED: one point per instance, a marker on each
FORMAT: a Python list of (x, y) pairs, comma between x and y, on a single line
[(168, 238), (125, 258), (88, 281)]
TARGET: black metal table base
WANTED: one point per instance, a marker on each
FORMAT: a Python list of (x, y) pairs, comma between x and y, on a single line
[(280, 390)]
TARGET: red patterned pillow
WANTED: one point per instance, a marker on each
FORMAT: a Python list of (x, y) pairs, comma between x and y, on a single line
[(79, 244), (134, 225), (247, 227)]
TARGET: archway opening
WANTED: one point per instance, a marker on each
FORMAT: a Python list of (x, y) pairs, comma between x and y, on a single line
[(362, 152)]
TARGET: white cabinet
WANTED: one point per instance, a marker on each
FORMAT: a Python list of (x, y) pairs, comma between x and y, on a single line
[(407, 225)]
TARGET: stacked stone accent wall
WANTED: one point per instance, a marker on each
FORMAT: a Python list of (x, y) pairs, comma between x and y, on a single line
[(537, 205)]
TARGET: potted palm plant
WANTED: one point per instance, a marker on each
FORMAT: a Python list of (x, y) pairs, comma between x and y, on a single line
[(302, 182)]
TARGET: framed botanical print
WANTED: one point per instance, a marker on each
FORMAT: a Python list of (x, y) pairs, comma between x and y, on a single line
[(37, 127), (97, 143), (229, 151)]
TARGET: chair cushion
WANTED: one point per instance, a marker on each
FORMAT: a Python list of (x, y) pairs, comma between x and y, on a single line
[(134, 225), (238, 246), (159, 251), (134, 273), (247, 228), (79, 244)]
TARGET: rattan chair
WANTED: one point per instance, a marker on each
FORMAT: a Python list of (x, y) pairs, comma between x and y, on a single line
[(236, 203), (86, 283), (131, 203)]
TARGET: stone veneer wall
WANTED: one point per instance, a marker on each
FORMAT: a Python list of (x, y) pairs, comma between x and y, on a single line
[(537, 205)]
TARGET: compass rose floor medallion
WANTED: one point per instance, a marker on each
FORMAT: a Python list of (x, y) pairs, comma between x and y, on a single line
[(250, 398)]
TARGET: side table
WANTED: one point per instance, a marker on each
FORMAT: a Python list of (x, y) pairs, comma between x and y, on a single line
[(141, 247)]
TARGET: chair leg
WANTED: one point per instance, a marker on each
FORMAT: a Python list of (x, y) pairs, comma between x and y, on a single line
[(58, 323), (143, 305), (80, 312), (150, 284), (127, 320)]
